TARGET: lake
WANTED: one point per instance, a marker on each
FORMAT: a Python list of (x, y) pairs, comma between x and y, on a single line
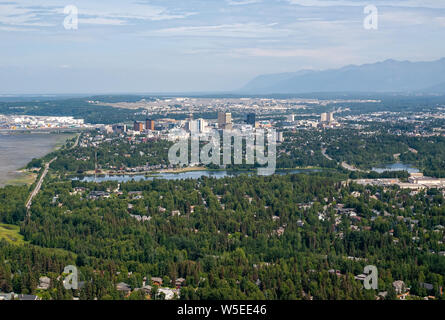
[(397, 167), (17, 149), (181, 176)]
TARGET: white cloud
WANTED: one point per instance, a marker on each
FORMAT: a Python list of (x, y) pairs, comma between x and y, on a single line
[(277, 53), (51, 13), (102, 21), (237, 30), (242, 2), (432, 4), (16, 29), (440, 21), (14, 15), (335, 55)]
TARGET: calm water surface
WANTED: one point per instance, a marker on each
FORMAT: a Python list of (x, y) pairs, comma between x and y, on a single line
[(180, 176), (16, 150), (397, 167)]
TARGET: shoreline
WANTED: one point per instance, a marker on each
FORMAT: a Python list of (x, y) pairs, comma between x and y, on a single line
[(182, 170), (23, 177)]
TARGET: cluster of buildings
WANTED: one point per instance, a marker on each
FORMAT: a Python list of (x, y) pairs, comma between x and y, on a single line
[(310, 121), (171, 129), (185, 105), (417, 124), (166, 292), (20, 297), (40, 122), (327, 120), (416, 181)]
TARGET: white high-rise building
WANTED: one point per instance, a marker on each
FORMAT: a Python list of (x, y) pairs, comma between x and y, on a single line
[(324, 117), (327, 117), (192, 126), (202, 125)]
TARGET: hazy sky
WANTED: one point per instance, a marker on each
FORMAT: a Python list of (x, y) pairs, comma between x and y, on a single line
[(202, 45)]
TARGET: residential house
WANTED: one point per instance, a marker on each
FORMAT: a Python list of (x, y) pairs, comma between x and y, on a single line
[(399, 286), (169, 294), (156, 281), (44, 283), (179, 282), (123, 287)]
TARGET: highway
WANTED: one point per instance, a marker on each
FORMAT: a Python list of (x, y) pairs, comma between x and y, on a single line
[(39, 185), (45, 172)]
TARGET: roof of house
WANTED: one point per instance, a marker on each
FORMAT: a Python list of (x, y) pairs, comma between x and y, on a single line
[(156, 279), (398, 284), (427, 286), (122, 286), (27, 297)]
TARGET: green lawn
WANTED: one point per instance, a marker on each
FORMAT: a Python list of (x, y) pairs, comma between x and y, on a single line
[(23, 179), (11, 234)]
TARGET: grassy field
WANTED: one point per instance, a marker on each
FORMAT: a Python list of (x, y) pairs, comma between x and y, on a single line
[(11, 234), (24, 178), (62, 139)]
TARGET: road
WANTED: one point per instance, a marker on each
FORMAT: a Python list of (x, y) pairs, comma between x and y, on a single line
[(45, 172), (323, 152), (343, 164), (77, 142), (39, 184), (352, 168)]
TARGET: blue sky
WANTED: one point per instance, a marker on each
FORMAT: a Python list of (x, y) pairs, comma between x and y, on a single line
[(201, 45)]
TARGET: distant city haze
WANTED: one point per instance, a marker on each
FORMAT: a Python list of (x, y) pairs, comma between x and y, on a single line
[(202, 46)]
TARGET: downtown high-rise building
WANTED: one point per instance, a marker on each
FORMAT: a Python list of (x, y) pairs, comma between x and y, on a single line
[(327, 117), (324, 117), (196, 126), (224, 120), (150, 124), (202, 125), (251, 119), (138, 126)]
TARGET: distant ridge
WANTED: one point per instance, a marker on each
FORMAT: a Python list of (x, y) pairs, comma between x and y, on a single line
[(386, 76)]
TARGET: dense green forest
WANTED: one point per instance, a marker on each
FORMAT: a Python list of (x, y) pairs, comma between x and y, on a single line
[(234, 238)]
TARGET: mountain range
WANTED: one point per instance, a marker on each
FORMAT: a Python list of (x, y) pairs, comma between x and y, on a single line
[(389, 76)]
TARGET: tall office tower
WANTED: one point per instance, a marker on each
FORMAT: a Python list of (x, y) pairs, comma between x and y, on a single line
[(150, 124), (120, 128), (324, 117), (138, 126), (331, 117), (290, 118), (224, 120), (202, 125), (221, 120), (192, 126), (251, 119)]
